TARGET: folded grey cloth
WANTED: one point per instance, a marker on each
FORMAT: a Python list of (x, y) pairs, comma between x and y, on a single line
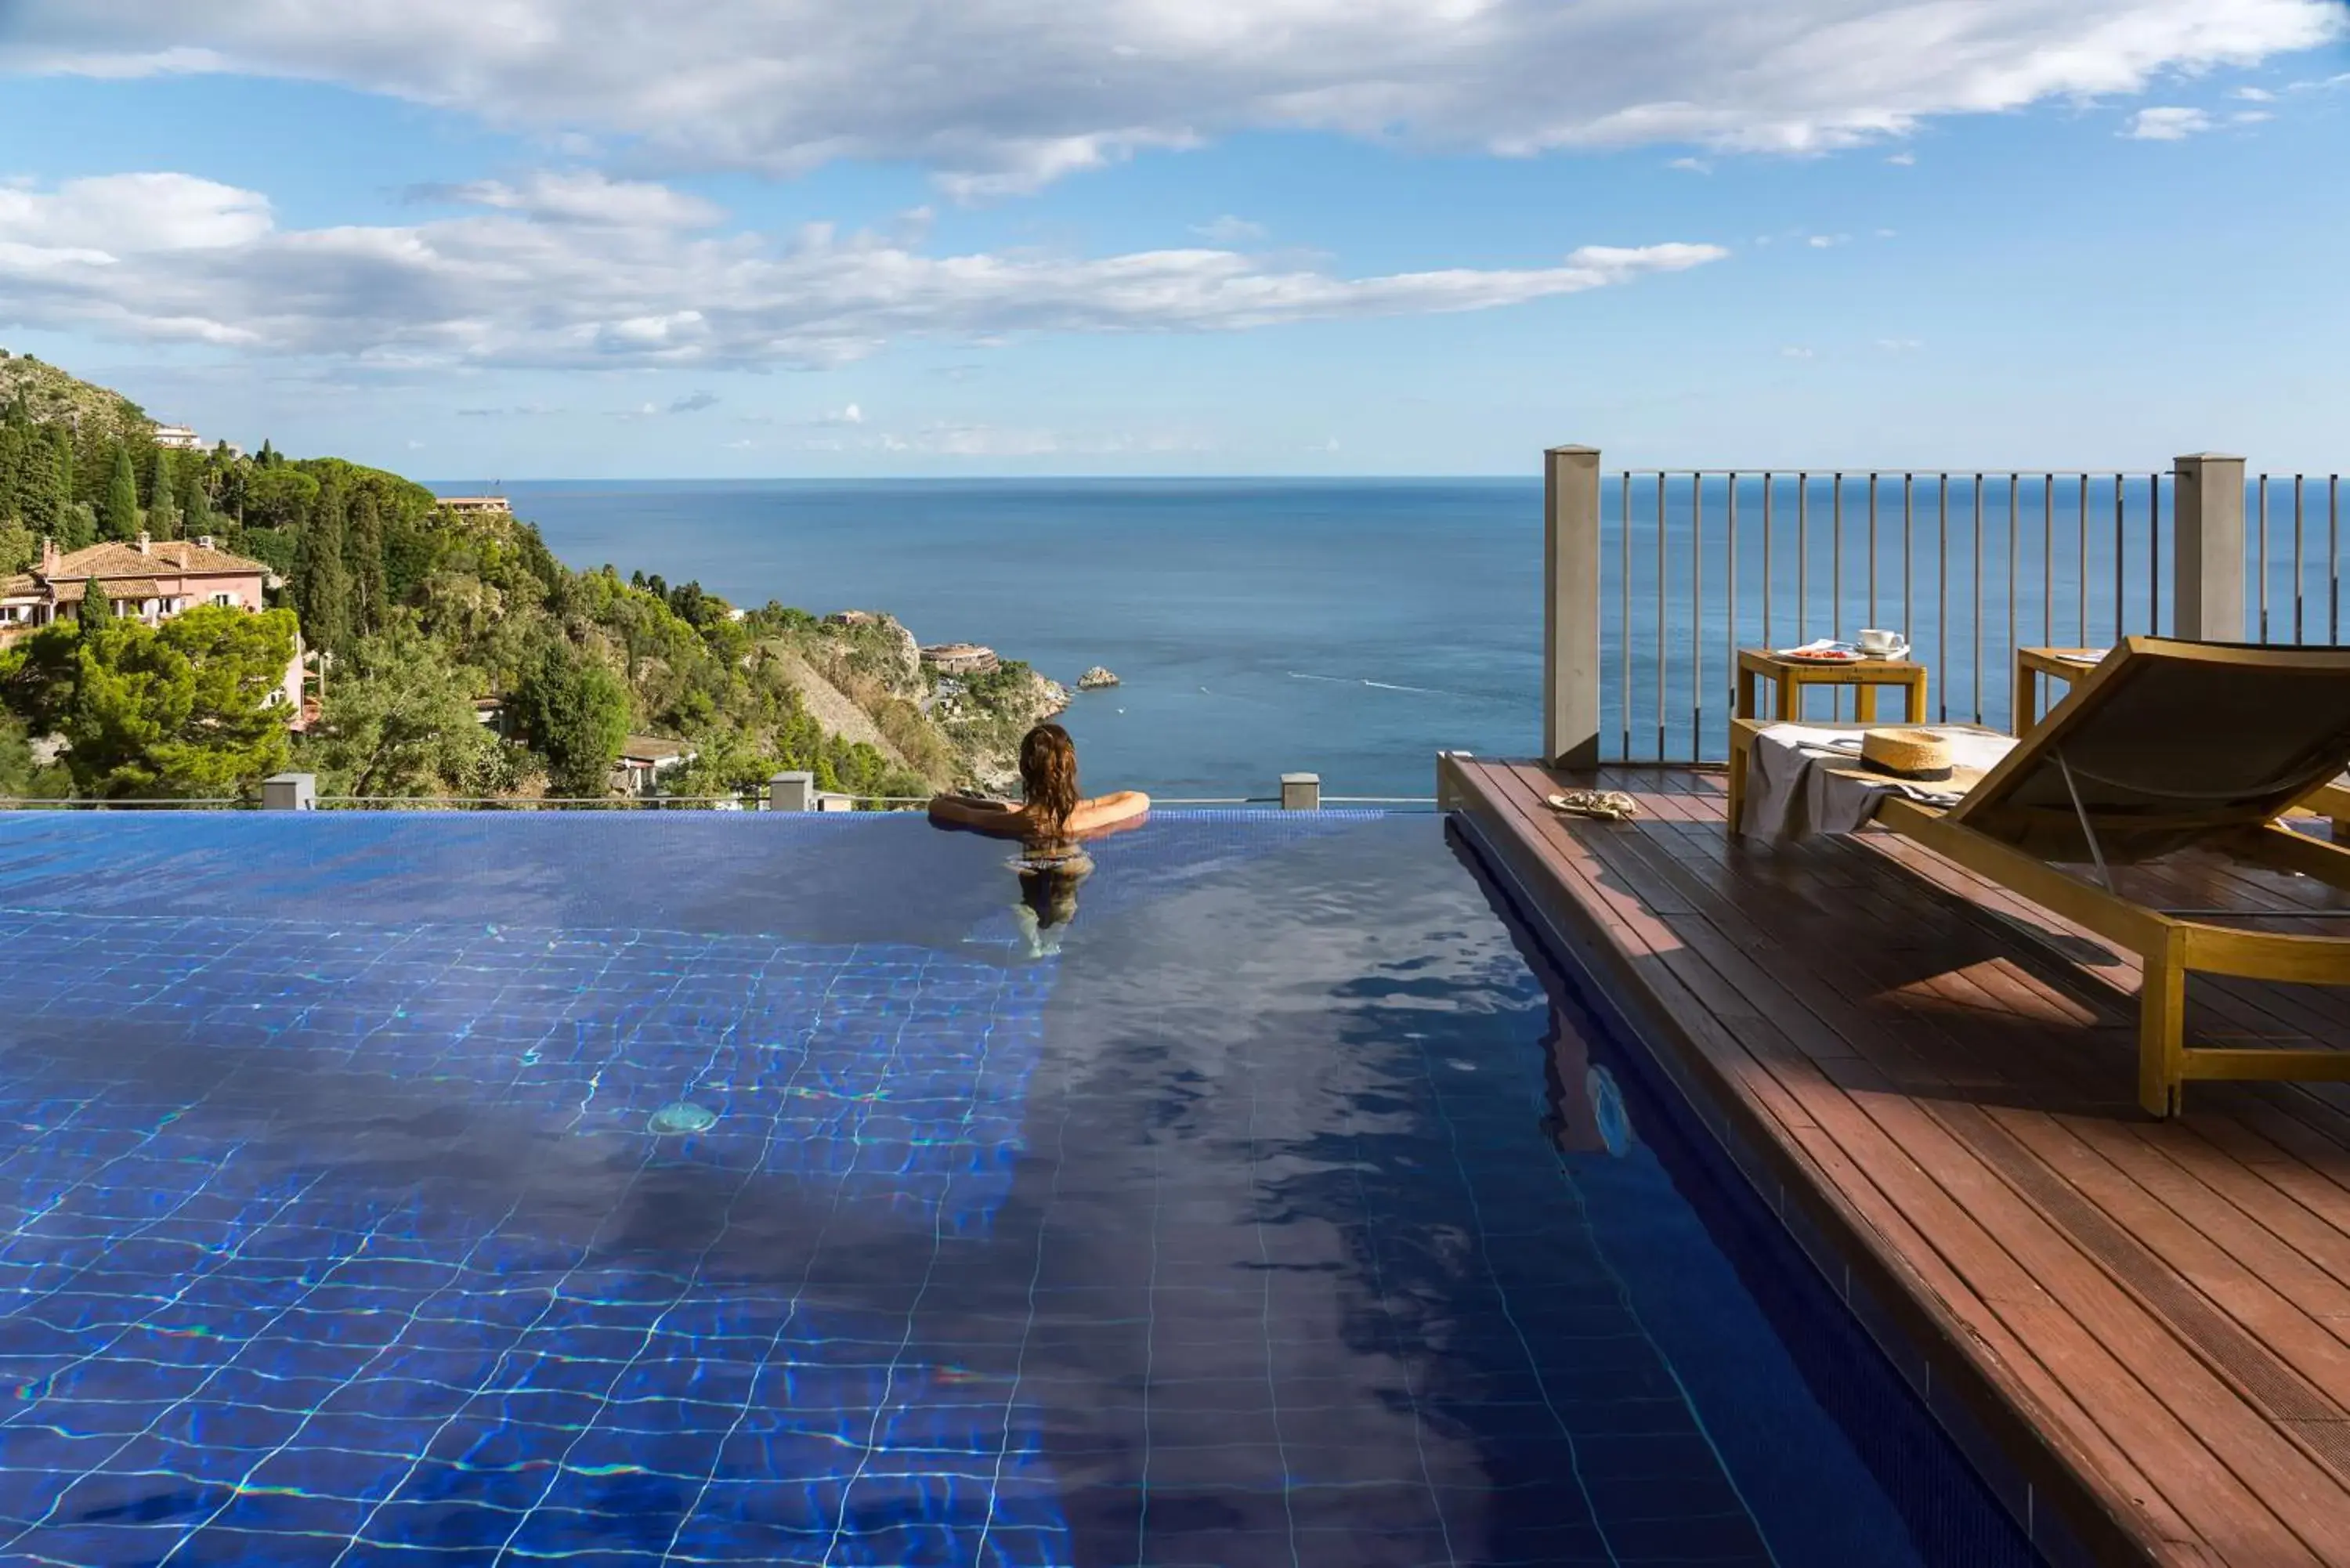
[(1803, 780)]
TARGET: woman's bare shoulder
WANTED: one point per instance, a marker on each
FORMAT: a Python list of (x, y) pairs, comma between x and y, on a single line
[(972, 808)]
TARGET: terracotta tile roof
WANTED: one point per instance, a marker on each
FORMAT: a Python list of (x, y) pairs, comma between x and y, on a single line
[(71, 590), (20, 586), (115, 559), (653, 749)]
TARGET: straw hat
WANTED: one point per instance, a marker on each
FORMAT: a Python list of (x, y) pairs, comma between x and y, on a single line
[(1920, 755)]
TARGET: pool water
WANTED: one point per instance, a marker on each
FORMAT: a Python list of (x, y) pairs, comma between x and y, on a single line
[(622, 1190)]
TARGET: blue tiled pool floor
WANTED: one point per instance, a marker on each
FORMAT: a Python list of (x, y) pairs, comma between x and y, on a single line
[(335, 1227)]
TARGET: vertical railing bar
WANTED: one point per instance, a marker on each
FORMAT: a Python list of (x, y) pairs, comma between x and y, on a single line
[(1802, 556), (2081, 582), (1872, 617), (2048, 559), (1835, 581), (1768, 485), (1729, 606), (2120, 586), (1697, 616), (1624, 540), (1661, 615), (1977, 627), (1943, 609), (2260, 533), (2297, 558), (2014, 493), (2154, 555), (1909, 556), (2333, 557)]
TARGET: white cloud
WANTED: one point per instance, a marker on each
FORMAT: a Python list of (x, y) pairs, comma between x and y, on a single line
[(583, 196), (2165, 124), (1692, 165), (1903, 160), (1228, 230), (851, 415), (2253, 94), (1000, 96), (1822, 242), (192, 260), (2250, 116), (1886, 234), (1899, 345), (1792, 352), (693, 403)]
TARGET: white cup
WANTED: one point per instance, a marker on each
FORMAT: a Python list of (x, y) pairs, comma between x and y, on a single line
[(1876, 639)]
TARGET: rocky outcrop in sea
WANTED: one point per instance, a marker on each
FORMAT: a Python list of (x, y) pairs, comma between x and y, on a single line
[(1095, 679)]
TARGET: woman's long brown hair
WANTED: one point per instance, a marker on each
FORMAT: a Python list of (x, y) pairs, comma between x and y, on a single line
[(1048, 772)]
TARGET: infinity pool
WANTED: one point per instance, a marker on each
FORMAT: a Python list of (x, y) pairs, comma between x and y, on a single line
[(624, 1190)]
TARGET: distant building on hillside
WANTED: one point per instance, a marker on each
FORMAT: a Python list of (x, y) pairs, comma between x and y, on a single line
[(959, 659), (852, 618), (178, 438), (643, 759), (472, 505), (153, 579)]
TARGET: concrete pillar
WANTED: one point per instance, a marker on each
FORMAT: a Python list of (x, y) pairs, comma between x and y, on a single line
[(1571, 607), (290, 792), (792, 791), (2208, 536), (1301, 792)]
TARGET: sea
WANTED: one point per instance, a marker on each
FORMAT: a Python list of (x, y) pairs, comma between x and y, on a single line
[(1353, 628), (1256, 627)]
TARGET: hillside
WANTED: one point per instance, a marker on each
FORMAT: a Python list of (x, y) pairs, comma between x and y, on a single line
[(417, 620), (53, 396)]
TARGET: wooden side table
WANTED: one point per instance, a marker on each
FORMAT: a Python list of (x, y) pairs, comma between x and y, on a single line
[(1789, 676), (2036, 666)]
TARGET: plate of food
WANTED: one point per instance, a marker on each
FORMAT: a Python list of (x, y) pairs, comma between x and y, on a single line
[(1824, 653)]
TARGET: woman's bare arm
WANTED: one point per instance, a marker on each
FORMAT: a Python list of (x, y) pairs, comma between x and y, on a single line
[(973, 811), (1109, 811)]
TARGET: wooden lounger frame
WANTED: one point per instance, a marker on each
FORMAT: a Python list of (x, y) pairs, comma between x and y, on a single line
[(2169, 946)]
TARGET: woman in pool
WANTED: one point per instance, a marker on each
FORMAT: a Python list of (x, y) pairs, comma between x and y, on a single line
[(1053, 812)]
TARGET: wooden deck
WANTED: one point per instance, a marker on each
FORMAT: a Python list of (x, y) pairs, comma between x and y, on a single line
[(1936, 1083)]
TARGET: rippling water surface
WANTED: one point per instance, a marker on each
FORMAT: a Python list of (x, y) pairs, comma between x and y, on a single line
[(705, 1188)]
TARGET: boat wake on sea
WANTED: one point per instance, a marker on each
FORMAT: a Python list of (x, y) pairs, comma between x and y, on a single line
[(1379, 685)]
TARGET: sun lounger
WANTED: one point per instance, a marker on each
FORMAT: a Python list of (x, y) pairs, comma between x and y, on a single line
[(2166, 746)]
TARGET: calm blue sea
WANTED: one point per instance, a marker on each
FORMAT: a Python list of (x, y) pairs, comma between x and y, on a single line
[(1354, 628), (1347, 629)]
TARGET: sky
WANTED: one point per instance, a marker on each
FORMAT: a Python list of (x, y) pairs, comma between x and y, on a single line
[(749, 238)]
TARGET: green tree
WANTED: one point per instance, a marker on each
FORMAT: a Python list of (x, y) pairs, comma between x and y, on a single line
[(186, 709), (364, 560), (164, 517), (575, 713), (399, 721), (120, 519), (322, 583), (277, 496), (18, 548), (96, 610)]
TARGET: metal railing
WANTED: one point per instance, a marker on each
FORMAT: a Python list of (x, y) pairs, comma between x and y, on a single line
[(1696, 565), (2295, 573)]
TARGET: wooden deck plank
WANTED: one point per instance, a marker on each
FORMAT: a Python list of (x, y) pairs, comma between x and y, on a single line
[(2167, 1304)]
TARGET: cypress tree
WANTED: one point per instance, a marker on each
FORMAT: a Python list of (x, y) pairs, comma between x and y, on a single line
[(195, 504), (322, 583), (59, 504), (120, 520), (164, 517), (365, 560), (96, 610)]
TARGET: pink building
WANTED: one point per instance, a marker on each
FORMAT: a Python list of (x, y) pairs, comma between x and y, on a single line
[(153, 579)]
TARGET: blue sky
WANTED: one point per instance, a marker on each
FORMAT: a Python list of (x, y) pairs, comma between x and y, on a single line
[(519, 238)]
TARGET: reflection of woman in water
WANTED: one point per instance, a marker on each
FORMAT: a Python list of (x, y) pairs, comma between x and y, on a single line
[(1048, 821)]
